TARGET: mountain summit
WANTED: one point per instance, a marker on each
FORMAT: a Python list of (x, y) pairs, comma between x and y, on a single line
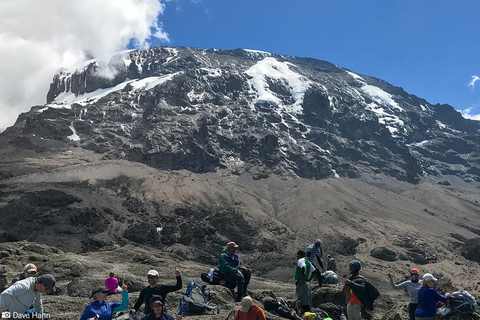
[(251, 111), (159, 157)]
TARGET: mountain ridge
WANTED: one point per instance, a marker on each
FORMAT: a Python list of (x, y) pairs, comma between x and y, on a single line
[(240, 109)]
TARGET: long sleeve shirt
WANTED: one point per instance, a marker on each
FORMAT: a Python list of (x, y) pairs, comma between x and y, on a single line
[(411, 287), (427, 302), (104, 310), (160, 289), (20, 296)]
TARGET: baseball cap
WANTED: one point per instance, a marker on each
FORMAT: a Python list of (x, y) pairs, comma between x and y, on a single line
[(246, 304), (232, 244), (48, 281), (156, 297), (99, 289), (30, 268), (152, 273), (429, 277)]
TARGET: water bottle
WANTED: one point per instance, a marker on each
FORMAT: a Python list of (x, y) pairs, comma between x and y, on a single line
[(343, 317)]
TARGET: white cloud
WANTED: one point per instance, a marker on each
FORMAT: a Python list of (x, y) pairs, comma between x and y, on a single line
[(467, 114), (472, 83), (39, 37)]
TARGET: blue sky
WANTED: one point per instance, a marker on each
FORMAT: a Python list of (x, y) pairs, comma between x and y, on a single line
[(430, 48)]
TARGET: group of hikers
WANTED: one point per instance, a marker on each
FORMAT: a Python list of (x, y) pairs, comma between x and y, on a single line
[(26, 291)]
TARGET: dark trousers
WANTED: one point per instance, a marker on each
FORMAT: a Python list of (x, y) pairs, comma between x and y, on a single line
[(318, 274), (411, 310), (242, 279)]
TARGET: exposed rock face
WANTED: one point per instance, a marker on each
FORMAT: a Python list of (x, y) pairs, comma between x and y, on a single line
[(383, 253), (210, 110), (471, 249)]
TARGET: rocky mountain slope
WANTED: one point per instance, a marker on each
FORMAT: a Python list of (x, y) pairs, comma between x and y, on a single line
[(241, 110), (159, 157)]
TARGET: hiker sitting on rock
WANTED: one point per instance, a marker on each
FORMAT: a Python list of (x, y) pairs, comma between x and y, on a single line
[(282, 310), (155, 288), (158, 312), (30, 270), (229, 264), (302, 277), (112, 283), (411, 286), (249, 310), (101, 310), (315, 252)]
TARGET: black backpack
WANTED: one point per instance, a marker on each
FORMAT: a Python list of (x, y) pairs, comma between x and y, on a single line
[(219, 278)]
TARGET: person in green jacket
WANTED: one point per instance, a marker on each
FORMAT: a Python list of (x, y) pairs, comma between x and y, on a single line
[(229, 265)]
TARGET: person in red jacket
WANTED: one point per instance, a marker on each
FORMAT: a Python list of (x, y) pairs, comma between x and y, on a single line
[(249, 310)]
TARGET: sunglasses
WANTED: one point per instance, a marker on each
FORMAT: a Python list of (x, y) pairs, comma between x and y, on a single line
[(151, 277), (157, 305), (414, 274)]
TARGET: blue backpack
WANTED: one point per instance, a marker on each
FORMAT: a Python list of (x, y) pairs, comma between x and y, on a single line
[(196, 300)]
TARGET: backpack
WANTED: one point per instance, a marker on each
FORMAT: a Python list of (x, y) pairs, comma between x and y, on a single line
[(463, 302), (310, 316), (316, 316), (330, 277), (196, 299), (277, 306), (215, 277)]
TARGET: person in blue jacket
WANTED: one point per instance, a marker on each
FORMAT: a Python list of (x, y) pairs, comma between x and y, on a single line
[(99, 309), (428, 298)]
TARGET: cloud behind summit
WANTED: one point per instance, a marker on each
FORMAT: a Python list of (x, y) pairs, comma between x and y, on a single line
[(39, 37)]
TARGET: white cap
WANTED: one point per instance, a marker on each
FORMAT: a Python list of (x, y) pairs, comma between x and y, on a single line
[(30, 268), (429, 277), (152, 273)]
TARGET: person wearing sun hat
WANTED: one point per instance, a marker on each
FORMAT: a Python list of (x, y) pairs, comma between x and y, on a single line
[(99, 309), (411, 286), (428, 298), (30, 270), (229, 265), (249, 310)]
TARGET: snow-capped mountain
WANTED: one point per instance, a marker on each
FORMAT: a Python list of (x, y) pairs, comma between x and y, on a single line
[(244, 110)]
